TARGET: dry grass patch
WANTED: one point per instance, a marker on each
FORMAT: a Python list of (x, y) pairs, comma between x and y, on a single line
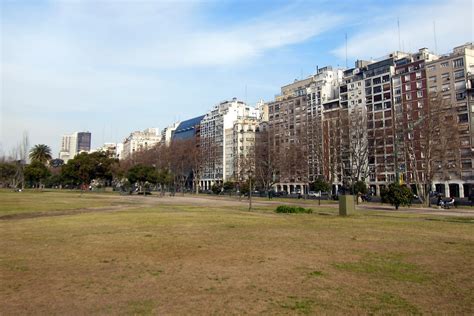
[(177, 258)]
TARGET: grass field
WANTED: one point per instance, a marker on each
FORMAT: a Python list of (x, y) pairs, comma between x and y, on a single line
[(109, 254)]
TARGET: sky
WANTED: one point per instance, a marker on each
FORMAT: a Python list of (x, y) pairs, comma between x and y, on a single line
[(114, 67)]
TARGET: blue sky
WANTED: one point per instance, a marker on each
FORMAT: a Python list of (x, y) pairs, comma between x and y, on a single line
[(112, 67)]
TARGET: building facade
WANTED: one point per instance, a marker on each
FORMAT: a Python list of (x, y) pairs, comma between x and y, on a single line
[(449, 84), (217, 141), (73, 144), (140, 140)]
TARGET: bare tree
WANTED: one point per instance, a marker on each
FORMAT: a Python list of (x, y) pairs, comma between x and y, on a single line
[(266, 160), (432, 146), (358, 145)]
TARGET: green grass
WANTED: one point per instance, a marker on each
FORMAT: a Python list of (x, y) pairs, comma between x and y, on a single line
[(187, 256)]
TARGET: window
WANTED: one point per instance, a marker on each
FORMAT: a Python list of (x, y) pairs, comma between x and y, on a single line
[(407, 77), (420, 104), (432, 89), (431, 68), (432, 79), (396, 81), (408, 96), (459, 74), (445, 75), (418, 75), (419, 94), (463, 118), (407, 87), (398, 91), (460, 85), (445, 87), (418, 85), (458, 63), (444, 64)]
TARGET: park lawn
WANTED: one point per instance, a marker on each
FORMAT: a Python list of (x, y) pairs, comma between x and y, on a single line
[(185, 259), (45, 201)]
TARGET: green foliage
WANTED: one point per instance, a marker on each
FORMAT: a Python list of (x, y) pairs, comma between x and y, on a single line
[(53, 180), (228, 186), (85, 167), (397, 195), (41, 153), (36, 172), (360, 187), (293, 209), (216, 188), (141, 173), (7, 173), (320, 185)]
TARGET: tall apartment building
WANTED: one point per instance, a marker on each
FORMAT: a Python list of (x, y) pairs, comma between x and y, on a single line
[(450, 84), (217, 140), (410, 108), (240, 148), (73, 144), (295, 128), (140, 140), (380, 126)]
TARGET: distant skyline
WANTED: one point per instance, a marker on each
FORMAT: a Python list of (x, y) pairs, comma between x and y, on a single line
[(113, 67)]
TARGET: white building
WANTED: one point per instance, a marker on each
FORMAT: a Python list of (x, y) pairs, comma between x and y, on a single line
[(140, 140), (73, 144), (218, 139), (114, 149), (167, 133)]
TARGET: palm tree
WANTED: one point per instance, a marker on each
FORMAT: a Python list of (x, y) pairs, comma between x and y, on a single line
[(41, 153)]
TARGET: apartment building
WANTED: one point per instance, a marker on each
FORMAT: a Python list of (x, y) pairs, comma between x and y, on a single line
[(217, 140), (139, 141), (295, 129), (450, 84), (167, 133), (380, 126), (73, 144), (410, 109)]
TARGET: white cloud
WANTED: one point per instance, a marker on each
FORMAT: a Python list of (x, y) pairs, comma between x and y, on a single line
[(453, 20)]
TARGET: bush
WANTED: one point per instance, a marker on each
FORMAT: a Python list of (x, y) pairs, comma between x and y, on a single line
[(293, 209), (397, 195)]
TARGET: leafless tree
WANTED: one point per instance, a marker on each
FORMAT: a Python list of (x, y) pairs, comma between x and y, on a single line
[(432, 145), (266, 160)]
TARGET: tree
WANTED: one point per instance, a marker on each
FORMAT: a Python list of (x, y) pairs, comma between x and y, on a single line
[(360, 187), (320, 185), (397, 195), (228, 186), (431, 145), (41, 153), (84, 168), (141, 174), (7, 174), (266, 160), (35, 173)]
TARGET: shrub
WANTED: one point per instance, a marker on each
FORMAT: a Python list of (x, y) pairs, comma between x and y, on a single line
[(293, 209), (397, 195)]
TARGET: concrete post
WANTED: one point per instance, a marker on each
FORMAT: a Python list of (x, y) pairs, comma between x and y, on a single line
[(346, 204)]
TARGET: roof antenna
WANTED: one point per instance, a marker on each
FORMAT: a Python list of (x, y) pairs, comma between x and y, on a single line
[(399, 41), (246, 101), (346, 50), (434, 34)]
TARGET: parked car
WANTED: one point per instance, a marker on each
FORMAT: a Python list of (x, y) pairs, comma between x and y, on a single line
[(314, 194)]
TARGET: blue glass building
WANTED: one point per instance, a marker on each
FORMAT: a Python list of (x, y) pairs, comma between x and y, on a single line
[(187, 129)]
